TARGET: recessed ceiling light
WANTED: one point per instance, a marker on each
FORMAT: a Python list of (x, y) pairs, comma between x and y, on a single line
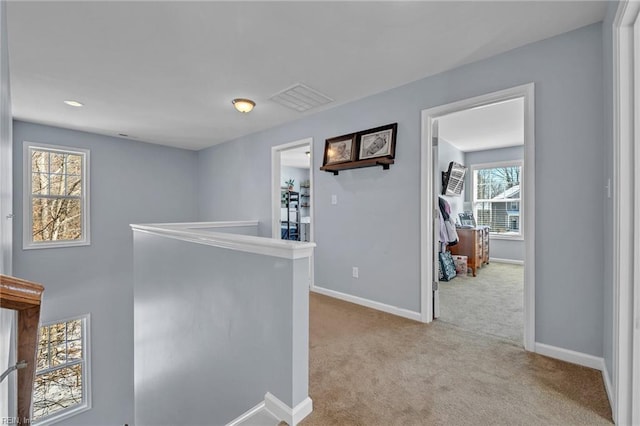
[(243, 105), (74, 103)]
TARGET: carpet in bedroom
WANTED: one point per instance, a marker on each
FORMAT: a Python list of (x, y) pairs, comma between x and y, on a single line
[(489, 303)]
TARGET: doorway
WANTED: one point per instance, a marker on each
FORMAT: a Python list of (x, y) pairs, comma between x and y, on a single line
[(430, 175), (292, 189), (482, 202)]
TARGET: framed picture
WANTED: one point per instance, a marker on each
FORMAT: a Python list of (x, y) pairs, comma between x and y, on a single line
[(339, 149), (378, 142)]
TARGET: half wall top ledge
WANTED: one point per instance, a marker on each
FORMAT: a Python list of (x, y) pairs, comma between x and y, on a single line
[(232, 235)]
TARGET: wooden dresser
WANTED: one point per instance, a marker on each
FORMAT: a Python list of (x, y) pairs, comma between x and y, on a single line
[(473, 243)]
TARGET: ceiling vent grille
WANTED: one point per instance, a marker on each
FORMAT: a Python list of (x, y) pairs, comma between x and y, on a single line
[(300, 98)]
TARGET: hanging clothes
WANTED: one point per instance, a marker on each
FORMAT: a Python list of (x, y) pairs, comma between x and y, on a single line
[(448, 234)]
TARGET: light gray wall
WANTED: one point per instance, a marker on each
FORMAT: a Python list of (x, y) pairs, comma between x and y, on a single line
[(131, 182), (375, 224), (6, 143), (499, 248), (243, 318), (607, 42), (296, 173), (447, 153), (7, 350)]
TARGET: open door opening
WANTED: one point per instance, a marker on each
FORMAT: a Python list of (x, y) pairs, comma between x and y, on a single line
[(493, 207), (292, 193), (478, 166)]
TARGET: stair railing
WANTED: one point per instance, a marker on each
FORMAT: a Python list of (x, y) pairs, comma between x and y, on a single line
[(25, 298)]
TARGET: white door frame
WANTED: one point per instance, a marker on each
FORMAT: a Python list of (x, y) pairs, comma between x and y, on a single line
[(626, 170), (275, 193), (528, 182)]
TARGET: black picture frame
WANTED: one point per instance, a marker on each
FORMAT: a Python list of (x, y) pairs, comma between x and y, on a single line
[(340, 149), (379, 142)]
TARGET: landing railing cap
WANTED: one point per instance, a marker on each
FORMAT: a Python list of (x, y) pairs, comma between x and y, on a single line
[(193, 232)]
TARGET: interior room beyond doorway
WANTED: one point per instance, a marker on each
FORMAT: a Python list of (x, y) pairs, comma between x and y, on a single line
[(486, 294), (295, 193)]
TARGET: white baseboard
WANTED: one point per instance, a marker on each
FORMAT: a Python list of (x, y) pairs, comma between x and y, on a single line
[(280, 410), (608, 386), (511, 261), (246, 415), (567, 355), (416, 316)]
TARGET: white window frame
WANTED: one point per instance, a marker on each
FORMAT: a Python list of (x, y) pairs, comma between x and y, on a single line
[(27, 210), (86, 374), (510, 163)]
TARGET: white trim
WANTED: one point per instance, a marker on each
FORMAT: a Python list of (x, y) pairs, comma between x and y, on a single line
[(635, 350), (280, 410), (401, 312), (568, 355), (528, 184), (245, 243), (608, 387), (200, 225), (625, 238), (511, 261), (27, 216), (6, 156), (247, 414), (86, 374), (506, 237)]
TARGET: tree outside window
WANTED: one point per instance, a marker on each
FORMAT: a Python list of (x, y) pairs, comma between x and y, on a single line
[(61, 384), (57, 188), (497, 198)]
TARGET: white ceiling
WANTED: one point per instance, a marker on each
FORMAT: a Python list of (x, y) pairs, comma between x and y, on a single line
[(166, 72), (496, 125), (296, 157)]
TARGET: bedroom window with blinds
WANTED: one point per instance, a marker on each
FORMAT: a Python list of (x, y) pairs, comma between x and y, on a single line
[(56, 196), (497, 197)]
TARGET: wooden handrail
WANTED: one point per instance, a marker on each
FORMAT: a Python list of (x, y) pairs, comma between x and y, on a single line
[(25, 297)]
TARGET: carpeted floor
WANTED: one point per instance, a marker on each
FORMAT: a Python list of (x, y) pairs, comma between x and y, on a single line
[(371, 368), (489, 303)]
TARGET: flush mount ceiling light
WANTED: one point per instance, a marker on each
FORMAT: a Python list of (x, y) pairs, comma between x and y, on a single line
[(73, 103), (243, 105)]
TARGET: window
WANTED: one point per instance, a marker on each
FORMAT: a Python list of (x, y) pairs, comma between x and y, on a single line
[(497, 197), (56, 202), (62, 385)]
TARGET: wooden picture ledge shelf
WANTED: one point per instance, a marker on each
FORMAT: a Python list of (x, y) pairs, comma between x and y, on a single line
[(372, 162), (24, 297)]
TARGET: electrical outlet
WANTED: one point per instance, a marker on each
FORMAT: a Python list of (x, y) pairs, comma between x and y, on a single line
[(334, 199), (355, 272)]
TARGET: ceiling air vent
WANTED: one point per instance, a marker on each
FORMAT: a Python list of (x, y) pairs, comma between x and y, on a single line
[(300, 98)]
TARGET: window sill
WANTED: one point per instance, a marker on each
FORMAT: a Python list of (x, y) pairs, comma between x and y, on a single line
[(60, 244), (63, 415), (506, 237)]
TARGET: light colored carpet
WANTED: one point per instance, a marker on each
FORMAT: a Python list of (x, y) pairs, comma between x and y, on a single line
[(489, 303), (371, 368)]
